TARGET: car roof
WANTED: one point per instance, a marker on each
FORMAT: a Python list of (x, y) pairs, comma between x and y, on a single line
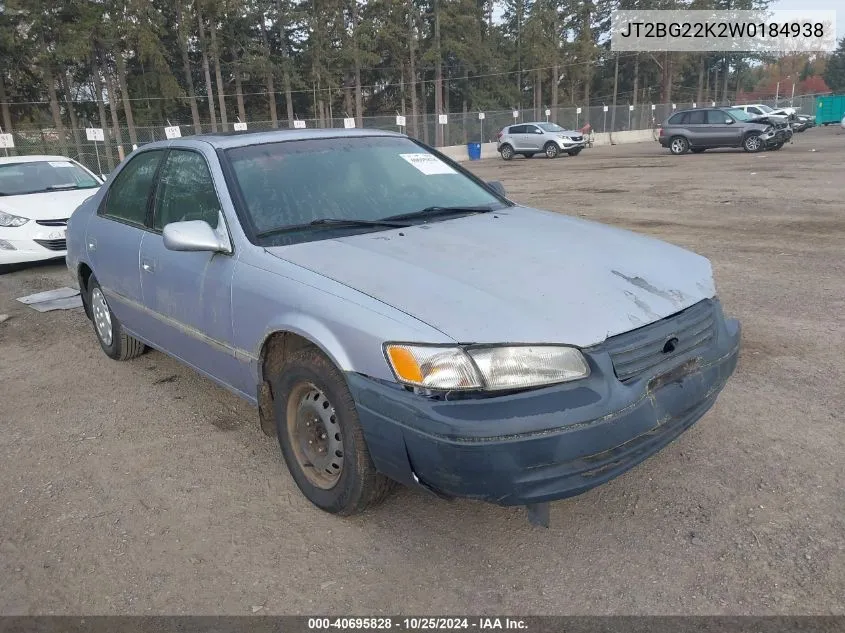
[(227, 140), (5, 160)]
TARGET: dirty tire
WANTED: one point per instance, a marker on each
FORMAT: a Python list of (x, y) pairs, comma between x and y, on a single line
[(507, 152), (678, 145), (697, 150), (358, 484), (551, 150), (117, 345), (752, 143), (575, 152)]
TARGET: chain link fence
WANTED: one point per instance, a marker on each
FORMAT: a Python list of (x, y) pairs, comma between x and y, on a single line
[(459, 128)]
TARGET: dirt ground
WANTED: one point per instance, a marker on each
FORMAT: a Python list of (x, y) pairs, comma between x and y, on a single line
[(139, 487)]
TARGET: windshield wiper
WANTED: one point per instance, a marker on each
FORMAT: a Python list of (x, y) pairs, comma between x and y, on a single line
[(332, 223), (67, 185), (435, 211)]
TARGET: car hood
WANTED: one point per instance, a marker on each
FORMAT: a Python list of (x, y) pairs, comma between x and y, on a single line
[(516, 275), (51, 205), (568, 133)]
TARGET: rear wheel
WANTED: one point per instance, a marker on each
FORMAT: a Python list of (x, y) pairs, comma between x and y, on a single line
[(506, 151), (678, 145), (752, 143), (697, 150), (321, 437), (551, 150), (114, 341)]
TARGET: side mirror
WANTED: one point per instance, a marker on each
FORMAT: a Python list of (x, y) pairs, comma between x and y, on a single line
[(497, 186), (730, 121), (195, 235)]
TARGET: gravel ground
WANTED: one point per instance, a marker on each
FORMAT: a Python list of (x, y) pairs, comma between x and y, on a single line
[(139, 487)]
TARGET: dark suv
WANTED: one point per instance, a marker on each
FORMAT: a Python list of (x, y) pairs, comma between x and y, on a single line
[(706, 128)]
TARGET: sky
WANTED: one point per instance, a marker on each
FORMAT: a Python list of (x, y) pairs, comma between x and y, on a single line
[(816, 5)]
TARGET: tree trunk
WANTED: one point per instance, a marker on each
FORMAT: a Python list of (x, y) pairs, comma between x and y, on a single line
[(124, 93), (424, 111), (636, 77), (218, 77), (699, 95), (268, 74), (114, 117), (101, 111), (725, 80), (205, 66), (356, 54), (669, 79), (74, 121), (587, 49), (286, 80), (465, 106), (555, 94), (186, 69), (438, 78), (239, 93), (54, 105), (412, 71), (7, 115)]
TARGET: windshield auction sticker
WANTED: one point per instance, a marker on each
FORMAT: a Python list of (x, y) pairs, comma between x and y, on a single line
[(760, 31), (428, 164)]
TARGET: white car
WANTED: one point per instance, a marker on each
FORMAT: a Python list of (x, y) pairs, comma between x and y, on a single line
[(37, 196), (761, 109)]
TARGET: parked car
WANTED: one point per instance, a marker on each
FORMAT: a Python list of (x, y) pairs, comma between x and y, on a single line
[(706, 128), (396, 319), (802, 122), (37, 196), (546, 138), (783, 115)]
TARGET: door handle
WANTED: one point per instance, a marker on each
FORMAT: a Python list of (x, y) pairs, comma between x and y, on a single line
[(147, 266)]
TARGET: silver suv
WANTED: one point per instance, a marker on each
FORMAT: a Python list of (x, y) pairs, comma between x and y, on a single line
[(538, 138)]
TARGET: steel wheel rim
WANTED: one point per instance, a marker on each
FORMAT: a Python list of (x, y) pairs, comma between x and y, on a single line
[(551, 152), (753, 143), (677, 146), (102, 316), (315, 435), (506, 153)]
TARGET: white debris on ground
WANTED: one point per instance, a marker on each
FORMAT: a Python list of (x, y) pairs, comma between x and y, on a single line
[(58, 299)]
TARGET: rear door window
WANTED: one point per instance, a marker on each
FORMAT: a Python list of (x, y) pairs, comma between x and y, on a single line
[(678, 119), (517, 129), (697, 117), (717, 117)]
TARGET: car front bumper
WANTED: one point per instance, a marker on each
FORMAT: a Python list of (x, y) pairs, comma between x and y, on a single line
[(778, 135), (568, 146), (18, 244), (544, 444)]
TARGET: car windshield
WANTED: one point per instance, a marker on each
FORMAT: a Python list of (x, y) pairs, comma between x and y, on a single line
[(739, 114), (41, 176), (551, 127), (293, 183)]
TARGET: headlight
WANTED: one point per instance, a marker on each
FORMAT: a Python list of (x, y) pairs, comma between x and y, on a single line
[(487, 368), (565, 138), (7, 219)]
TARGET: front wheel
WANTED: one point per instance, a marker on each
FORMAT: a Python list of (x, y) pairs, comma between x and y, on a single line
[(116, 343), (321, 437), (752, 143), (679, 145), (506, 152), (551, 150)]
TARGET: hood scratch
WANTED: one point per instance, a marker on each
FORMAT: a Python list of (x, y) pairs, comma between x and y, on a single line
[(675, 296)]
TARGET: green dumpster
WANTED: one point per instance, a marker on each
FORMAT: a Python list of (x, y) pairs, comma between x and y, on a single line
[(830, 109)]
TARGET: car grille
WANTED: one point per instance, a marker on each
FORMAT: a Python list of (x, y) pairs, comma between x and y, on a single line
[(53, 245), (577, 139), (52, 222), (637, 352)]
